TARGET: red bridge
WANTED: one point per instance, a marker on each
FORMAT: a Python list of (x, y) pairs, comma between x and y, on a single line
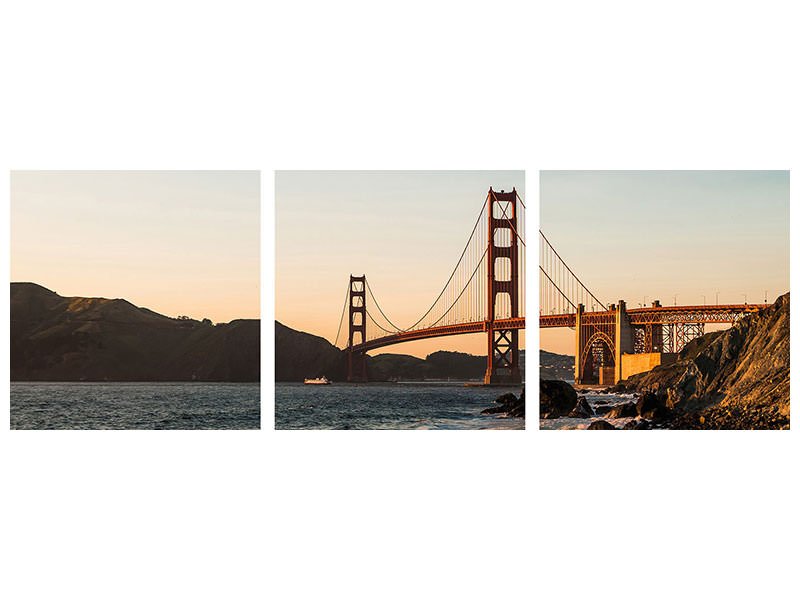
[(484, 294), (612, 342)]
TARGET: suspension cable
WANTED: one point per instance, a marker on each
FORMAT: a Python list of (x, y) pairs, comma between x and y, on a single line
[(341, 319), (480, 262), (379, 308), (376, 323), (570, 270), (455, 268), (557, 288)]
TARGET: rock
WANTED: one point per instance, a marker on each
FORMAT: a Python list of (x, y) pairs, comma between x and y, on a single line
[(582, 409), (650, 405), (637, 424), (623, 410), (556, 398), (602, 409), (732, 379), (601, 425), (509, 405)]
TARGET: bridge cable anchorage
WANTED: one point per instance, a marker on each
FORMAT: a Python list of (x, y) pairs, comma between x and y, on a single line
[(565, 265), (369, 289), (477, 222), (508, 219), (341, 319)]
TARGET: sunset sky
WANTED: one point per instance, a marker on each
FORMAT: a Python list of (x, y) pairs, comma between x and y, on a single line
[(178, 243), (404, 230), (650, 235)]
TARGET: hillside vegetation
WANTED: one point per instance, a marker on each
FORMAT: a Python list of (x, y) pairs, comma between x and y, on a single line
[(54, 338)]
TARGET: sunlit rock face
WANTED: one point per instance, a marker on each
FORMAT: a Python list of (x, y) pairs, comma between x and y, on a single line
[(732, 379)]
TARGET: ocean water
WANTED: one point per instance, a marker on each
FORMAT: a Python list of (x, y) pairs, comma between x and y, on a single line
[(178, 405), (448, 405), (594, 400)]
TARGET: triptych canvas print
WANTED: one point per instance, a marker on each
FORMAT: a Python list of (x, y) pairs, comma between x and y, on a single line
[(401, 300)]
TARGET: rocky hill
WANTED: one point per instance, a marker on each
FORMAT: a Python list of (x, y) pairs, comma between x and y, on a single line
[(732, 379), (556, 366), (54, 338), (299, 355)]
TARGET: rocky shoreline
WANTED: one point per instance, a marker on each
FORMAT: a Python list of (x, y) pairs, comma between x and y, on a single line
[(732, 379), (559, 399), (509, 405)]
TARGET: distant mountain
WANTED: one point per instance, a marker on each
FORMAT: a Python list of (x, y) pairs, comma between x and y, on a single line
[(556, 366), (54, 338), (299, 355)]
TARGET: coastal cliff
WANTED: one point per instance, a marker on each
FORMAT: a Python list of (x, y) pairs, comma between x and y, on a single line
[(56, 338), (732, 379)]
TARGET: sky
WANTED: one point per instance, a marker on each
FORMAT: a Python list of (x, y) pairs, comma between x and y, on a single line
[(651, 235), (405, 230), (176, 242)]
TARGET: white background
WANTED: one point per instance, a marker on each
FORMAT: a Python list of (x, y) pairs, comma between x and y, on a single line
[(442, 85)]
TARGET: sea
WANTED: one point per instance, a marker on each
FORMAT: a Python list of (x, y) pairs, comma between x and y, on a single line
[(594, 399), (427, 405), (181, 405)]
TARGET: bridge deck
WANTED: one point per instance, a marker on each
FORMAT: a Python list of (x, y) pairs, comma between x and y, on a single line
[(420, 334), (664, 315)]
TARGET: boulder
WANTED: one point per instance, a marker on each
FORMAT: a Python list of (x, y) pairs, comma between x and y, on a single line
[(556, 398), (637, 424), (582, 409), (650, 406), (602, 409), (623, 410), (601, 425), (509, 405)]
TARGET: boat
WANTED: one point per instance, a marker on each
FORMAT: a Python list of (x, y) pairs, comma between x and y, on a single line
[(318, 381)]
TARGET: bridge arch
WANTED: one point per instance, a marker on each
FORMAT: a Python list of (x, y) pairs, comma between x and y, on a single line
[(606, 344)]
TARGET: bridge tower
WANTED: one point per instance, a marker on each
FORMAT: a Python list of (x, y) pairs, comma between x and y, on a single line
[(503, 281), (357, 319)]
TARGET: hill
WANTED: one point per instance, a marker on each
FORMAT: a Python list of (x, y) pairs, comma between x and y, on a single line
[(556, 366), (55, 338), (732, 379), (299, 355)]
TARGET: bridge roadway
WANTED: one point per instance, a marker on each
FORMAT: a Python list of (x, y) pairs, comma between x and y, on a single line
[(718, 313), (432, 332)]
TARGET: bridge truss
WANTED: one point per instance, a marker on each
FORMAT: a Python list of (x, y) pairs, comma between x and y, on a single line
[(603, 333)]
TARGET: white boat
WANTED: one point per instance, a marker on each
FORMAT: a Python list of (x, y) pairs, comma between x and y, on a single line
[(319, 381)]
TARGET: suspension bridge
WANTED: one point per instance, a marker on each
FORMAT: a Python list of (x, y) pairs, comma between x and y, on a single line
[(613, 342), (485, 293)]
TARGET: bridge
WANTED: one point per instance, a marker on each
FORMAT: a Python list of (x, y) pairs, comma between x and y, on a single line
[(485, 293), (613, 342)]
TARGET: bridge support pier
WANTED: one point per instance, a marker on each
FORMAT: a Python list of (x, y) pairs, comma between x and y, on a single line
[(503, 285), (503, 353), (623, 344), (356, 367), (357, 311)]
